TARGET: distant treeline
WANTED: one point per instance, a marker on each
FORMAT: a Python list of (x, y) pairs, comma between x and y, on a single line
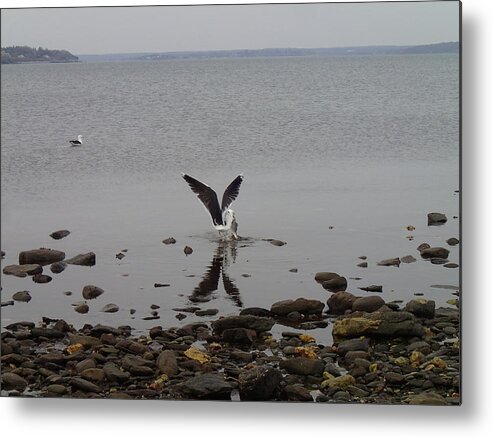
[(20, 54)]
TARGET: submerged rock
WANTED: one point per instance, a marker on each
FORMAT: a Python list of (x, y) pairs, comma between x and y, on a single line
[(277, 242), (83, 259), (41, 256)]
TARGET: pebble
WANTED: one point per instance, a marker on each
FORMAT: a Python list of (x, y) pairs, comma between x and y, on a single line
[(58, 235), (187, 250), (169, 240)]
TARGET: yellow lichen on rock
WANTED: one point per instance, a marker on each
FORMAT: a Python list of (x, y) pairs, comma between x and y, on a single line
[(354, 326), (194, 354)]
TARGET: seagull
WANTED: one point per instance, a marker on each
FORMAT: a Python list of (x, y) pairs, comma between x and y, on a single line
[(76, 142), (223, 217)]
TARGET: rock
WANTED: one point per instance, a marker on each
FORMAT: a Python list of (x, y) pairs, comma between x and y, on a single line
[(83, 259), (23, 270), (372, 288), (452, 241), (58, 235), (208, 312), (338, 283), (296, 392), (87, 341), (205, 386), (364, 264), (2, 254), (408, 259), (439, 261), (302, 366), (353, 344), (120, 255), (131, 346), (340, 302), (58, 267), (259, 383), (7, 303), (12, 381), (435, 252), (47, 332), (368, 304), (91, 292), (187, 250), (239, 336), (277, 242), (41, 279), (82, 309), (436, 218), (341, 381), (41, 256), (393, 378), (141, 371), (294, 270), (325, 276), (342, 396), (426, 398), (84, 385), (259, 324), (114, 374), (256, 311), (57, 389), (158, 284), (451, 265), (22, 296), (421, 308), (88, 363), (380, 324), (110, 308), (169, 240), (166, 363), (423, 246), (301, 305), (390, 262)]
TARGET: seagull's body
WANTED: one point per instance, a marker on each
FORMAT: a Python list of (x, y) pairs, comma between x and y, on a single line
[(76, 142), (223, 217)]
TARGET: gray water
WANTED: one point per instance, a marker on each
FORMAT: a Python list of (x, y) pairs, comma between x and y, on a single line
[(339, 154)]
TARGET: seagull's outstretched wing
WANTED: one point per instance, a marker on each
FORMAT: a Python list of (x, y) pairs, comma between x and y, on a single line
[(207, 196), (231, 193)]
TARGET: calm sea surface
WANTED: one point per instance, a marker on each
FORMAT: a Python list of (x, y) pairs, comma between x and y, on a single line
[(339, 154)]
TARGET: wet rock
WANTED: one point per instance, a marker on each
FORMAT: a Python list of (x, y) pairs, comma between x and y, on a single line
[(91, 292), (436, 218), (301, 305), (372, 288), (47, 333), (422, 247), (7, 303), (390, 262), (439, 261), (207, 312), (158, 284), (435, 252), (451, 265), (353, 344), (22, 296), (302, 366), (339, 283), (58, 267), (256, 311), (20, 325), (421, 308), (259, 324), (87, 341), (41, 256), (22, 271), (205, 386), (131, 346), (110, 308), (239, 336), (88, 363), (187, 250), (364, 264), (259, 383), (393, 378), (430, 398), (41, 279), (368, 304), (325, 276), (379, 324), (120, 255), (58, 235), (83, 259), (340, 302), (408, 259), (12, 381), (452, 241), (294, 270), (277, 242), (84, 385), (82, 309), (298, 393), (94, 375), (57, 389), (166, 363), (169, 240)]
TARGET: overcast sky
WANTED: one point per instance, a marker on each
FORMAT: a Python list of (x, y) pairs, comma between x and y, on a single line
[(202, 27)]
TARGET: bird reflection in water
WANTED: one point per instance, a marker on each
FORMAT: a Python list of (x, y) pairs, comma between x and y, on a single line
[(224, 254)]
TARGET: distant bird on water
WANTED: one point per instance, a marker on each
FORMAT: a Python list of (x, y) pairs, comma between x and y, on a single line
[(223, 218), (76, 142)]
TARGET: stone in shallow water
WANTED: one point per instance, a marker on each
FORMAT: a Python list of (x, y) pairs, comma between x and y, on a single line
[(259, 383), (41, 256), (110, 308), (436, 218), (368, 304), (22, 271), (22, 296), (340, 302), (389, 262), (408, 259), (58, 235), (205, 386), (452, 241), (91, 292), (301, 305), (435, 252), (58, 267), (169, 240), (83, 259)]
